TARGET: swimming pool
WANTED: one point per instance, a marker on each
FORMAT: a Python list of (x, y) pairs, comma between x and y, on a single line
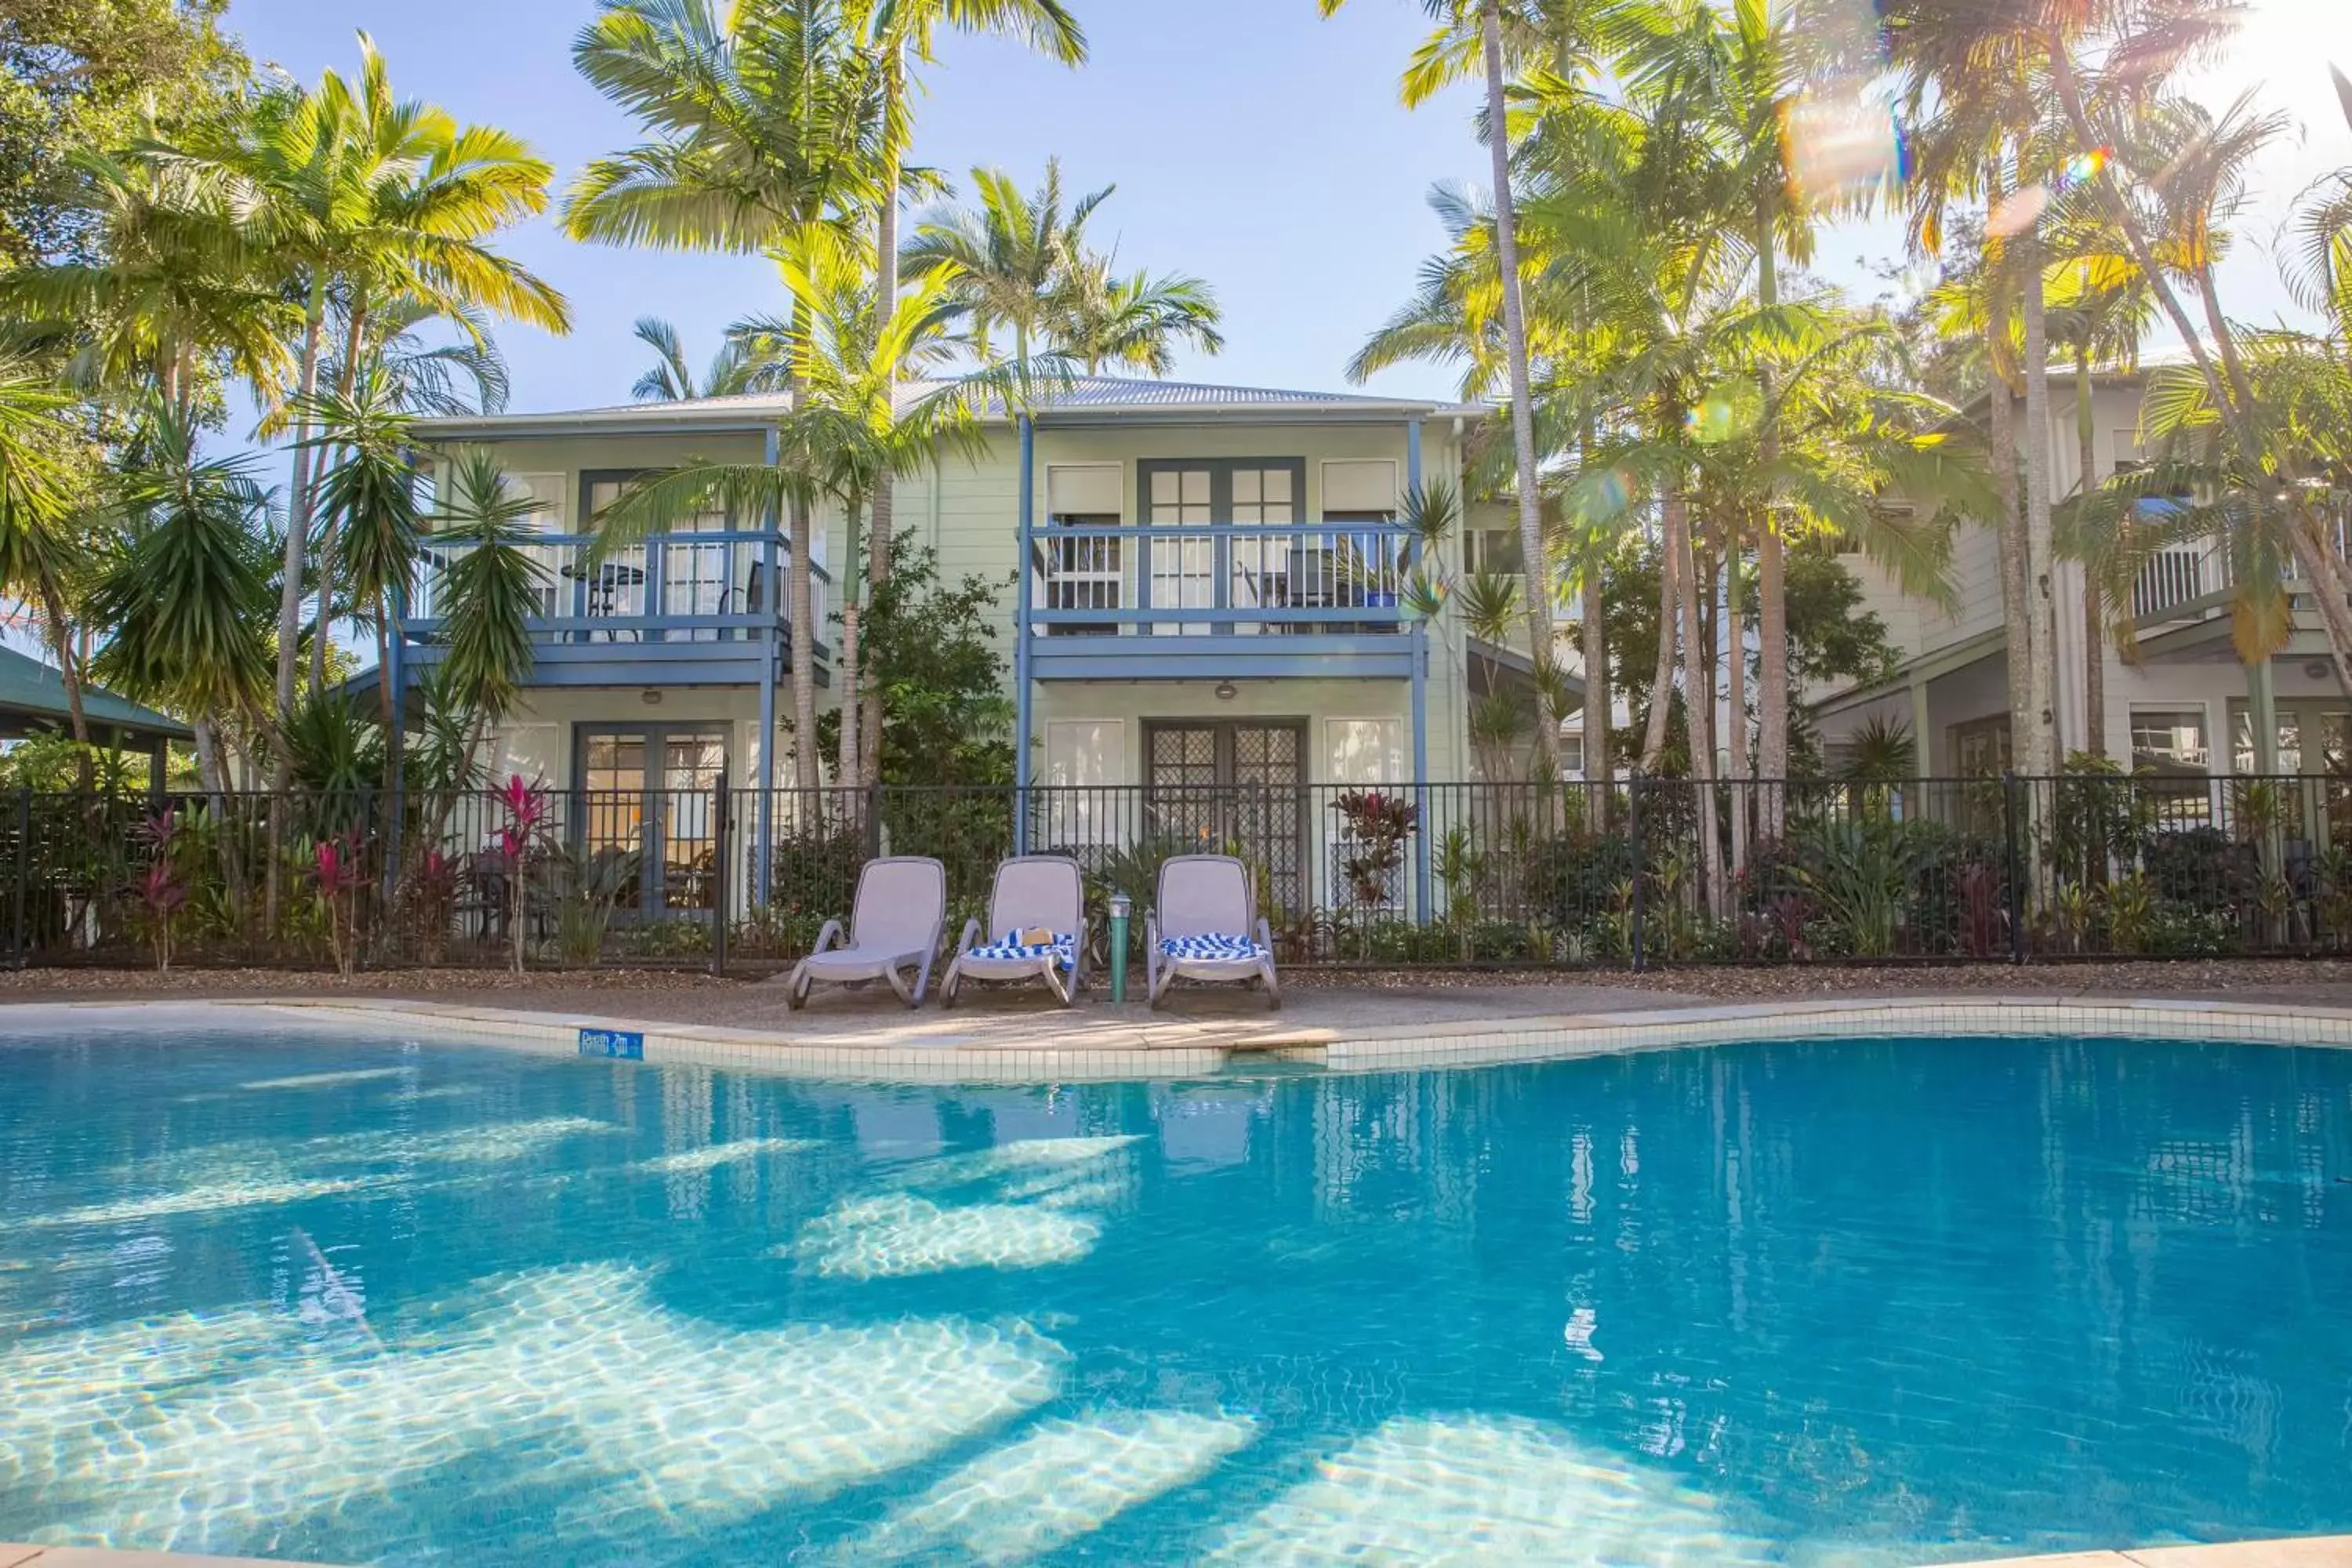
[(1869, 1301)]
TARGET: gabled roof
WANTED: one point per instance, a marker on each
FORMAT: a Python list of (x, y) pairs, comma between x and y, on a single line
[(33, 696), (1080, 400)]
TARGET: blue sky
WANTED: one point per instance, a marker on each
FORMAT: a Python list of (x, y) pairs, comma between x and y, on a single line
[(1252, 143)]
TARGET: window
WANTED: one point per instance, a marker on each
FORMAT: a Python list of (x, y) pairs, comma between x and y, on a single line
[(1571, 747), (1492, 550), (2171, 741), (1081, 574), (1980, 747), (1365, 751), (1085, 770), (2313, 738)]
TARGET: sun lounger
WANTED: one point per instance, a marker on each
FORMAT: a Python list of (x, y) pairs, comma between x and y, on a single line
[(1204, 925), (1037, 929), (895, 925)]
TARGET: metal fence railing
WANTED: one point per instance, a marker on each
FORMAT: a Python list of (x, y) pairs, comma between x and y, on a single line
[(1633, 873)]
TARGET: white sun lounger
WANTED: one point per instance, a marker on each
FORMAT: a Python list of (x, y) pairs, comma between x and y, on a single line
[(1043, 896), (1205, 926), (895, 925)]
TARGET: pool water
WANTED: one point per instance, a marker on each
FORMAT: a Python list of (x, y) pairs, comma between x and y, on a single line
[(368, 1301)]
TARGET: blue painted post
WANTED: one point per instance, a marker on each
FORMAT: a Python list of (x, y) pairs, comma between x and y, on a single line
[(1420, 707), (763, 835), (395, 675), (1020, 635)]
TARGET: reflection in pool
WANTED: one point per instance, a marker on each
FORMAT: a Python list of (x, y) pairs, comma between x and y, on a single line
[(1860, 1301)]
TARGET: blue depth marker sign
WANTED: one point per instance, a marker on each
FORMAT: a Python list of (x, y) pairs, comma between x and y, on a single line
[(621, 1044)]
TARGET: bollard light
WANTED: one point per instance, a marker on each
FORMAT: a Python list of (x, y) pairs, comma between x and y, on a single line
[(1121, 907)]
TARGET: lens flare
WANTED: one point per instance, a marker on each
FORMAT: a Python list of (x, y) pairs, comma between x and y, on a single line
[(1839, 141)]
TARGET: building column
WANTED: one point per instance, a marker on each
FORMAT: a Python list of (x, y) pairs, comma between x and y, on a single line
[(2262, 716), (1923, 751), (764, 831), (1021, 632), (1419, 654)]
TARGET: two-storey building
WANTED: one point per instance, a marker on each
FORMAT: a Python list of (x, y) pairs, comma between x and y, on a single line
[(2183, 704), (1201, 587)]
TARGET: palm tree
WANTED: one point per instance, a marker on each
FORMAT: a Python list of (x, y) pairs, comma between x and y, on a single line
[(492, 590), (368, 494), (766, 118), (38, 492), (183, 587), (849, 430), (897, 29), (349, 190), (1136, 321), (1441, 60), (672, 380), (1009, 258), (170, 286)]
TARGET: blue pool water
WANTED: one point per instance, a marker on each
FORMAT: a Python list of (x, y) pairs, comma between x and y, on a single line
[(363, 1300)]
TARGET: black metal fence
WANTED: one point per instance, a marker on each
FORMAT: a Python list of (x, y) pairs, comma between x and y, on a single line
[(1634, 873)]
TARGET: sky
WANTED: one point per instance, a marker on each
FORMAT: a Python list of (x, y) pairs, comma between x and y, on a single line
[(1252, 143)]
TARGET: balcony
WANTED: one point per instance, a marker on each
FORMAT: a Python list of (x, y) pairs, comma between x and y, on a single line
[(1113, 602), (679, 609)]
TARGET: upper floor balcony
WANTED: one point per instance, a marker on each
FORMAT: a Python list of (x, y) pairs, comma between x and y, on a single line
[(1172, 601), (681, 608)]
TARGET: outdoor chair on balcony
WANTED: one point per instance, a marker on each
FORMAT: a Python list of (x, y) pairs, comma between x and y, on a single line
[(895, 925), (1204, 925), (1036, 926)]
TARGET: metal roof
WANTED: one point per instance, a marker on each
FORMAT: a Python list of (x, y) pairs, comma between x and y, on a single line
[(32, 695), (1081, 398)]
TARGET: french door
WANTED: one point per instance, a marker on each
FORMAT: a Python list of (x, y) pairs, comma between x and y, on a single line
[(1188, 569), (647, 788), (1234, 787)]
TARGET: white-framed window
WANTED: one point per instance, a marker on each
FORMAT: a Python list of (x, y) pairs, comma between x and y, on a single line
[(1085, 779), (1082, 573), (548, 494), (1365, 752), (2174, 741)]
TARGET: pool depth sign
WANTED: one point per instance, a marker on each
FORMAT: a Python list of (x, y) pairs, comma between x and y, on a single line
[(621, 1044)]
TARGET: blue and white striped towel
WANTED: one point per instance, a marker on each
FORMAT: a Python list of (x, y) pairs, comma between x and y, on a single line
[(1062, 950), (1214, 948)]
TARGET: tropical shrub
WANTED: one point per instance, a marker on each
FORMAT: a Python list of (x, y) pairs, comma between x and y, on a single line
[(1378, 828), (583, 887)]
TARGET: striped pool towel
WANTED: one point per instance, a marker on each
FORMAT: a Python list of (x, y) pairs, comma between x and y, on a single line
[(1214, 948), (1062, 950)]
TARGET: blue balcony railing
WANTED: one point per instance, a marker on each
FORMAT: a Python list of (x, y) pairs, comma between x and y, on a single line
[(1218, 579), (710, 587)]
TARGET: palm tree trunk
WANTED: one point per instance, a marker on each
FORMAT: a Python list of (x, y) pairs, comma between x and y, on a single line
[(1735, 673), (1698, 697), (1514, 328), (2002, 416), (289, 598), (1662, 680), (53, 610), (849, 769), (353, 338), (1596, 696), (2094, 631), (799, 590), (1771, 586), (2040, 696), (886, 306)]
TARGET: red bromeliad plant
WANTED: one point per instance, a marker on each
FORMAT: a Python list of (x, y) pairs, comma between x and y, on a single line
[(336, 865), (1377, 826), (528, 815), (162, 893)]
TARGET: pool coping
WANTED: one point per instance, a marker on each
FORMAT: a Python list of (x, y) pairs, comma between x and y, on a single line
[(1174, 1048)]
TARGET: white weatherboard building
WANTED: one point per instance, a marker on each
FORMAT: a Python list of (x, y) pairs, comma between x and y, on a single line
[(2186, 707), (1202, 587)]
